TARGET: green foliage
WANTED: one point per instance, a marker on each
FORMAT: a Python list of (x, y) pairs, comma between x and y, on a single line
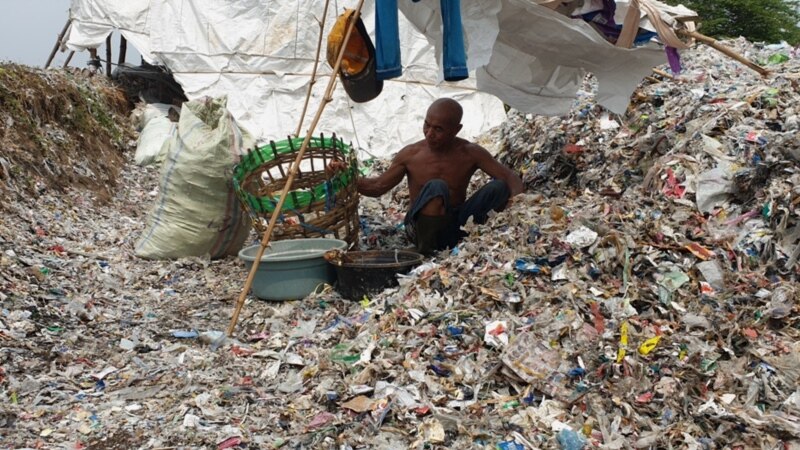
[(769, 21)]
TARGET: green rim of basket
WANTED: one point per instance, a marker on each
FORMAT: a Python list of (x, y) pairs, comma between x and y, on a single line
[(296, 199)]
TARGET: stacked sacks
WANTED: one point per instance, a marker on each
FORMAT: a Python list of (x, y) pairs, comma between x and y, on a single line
[(197, 212)]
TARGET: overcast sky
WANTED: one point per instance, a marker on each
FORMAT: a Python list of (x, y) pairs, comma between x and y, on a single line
[(29, 29)]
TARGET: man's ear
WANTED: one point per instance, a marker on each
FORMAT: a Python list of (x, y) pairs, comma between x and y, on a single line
[(458, 128)]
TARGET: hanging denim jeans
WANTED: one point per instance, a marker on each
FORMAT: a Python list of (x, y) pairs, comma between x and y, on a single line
[(387, 40)]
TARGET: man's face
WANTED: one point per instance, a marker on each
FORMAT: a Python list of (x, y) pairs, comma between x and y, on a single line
[(439, 129)]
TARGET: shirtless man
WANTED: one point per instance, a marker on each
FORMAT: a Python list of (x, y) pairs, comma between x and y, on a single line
[(439, 169)]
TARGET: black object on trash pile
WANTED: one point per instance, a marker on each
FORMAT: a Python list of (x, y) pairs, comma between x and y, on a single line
[(361, 273), (151, 83)]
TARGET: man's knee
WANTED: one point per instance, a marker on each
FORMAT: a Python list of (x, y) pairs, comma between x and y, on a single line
[(493, 196), (438, 192), (497, 194), (499, 188), (501, 192)]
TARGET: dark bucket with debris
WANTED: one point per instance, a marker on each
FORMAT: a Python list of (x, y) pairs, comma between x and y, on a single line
[(366, 273)]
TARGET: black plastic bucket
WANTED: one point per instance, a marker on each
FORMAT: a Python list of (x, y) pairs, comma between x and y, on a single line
[(367, 273)]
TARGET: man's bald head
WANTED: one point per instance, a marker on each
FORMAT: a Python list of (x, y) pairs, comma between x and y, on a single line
[(447, 108)]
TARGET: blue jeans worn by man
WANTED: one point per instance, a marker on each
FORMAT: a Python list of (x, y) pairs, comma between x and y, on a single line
[(432, 233)]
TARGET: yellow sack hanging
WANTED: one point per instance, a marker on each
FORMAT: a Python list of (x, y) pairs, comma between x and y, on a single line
[(356, 55)]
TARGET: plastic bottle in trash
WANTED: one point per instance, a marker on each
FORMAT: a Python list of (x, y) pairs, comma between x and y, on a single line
[(570, 440)]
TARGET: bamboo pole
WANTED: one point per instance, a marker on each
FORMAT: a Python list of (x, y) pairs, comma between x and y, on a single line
[(58, 43), (713, 43), (663, 74), (108, 56), (292, 171), (314, 72)]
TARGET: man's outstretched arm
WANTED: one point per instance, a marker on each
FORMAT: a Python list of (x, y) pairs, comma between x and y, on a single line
[(494, 169), (377, 186)]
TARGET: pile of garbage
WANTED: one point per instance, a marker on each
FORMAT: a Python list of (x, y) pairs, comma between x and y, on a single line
[(59, 129), (641, 294)]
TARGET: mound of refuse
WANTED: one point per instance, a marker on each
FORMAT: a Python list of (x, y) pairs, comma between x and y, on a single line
[(642, 293), (58, 130)]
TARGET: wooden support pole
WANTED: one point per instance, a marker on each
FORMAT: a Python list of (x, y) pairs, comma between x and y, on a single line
[(69, 58), (108, 56), (713, 43), (292, 171), (123, 50), (58, 43)]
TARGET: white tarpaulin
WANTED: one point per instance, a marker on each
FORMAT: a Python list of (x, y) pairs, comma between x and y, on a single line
[(535, 59), (260, 53), (92, 21)]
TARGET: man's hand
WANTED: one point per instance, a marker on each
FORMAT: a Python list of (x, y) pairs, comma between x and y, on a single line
[(335, 166)]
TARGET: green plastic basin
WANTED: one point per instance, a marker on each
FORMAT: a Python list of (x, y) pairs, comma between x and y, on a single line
[(291, 269)]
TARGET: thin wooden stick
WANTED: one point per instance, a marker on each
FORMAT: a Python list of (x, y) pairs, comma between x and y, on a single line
[(69, 58), (663, 74), (292, 171), (314, 72), (58, 43), (713, 43)]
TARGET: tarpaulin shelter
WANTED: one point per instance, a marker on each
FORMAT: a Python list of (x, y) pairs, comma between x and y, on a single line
[(260, 53)]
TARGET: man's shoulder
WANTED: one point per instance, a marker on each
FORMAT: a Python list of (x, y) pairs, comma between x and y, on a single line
[(470, 148), (412, 149)]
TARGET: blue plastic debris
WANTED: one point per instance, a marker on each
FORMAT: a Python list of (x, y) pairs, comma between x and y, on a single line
[(509, 445), (441, 371), (184, 334), (529, 399), (570, 440), (576, 372), (455, 331), (527, 266)]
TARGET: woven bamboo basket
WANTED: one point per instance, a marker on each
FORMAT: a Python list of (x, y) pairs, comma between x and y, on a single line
[(319, 203)]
